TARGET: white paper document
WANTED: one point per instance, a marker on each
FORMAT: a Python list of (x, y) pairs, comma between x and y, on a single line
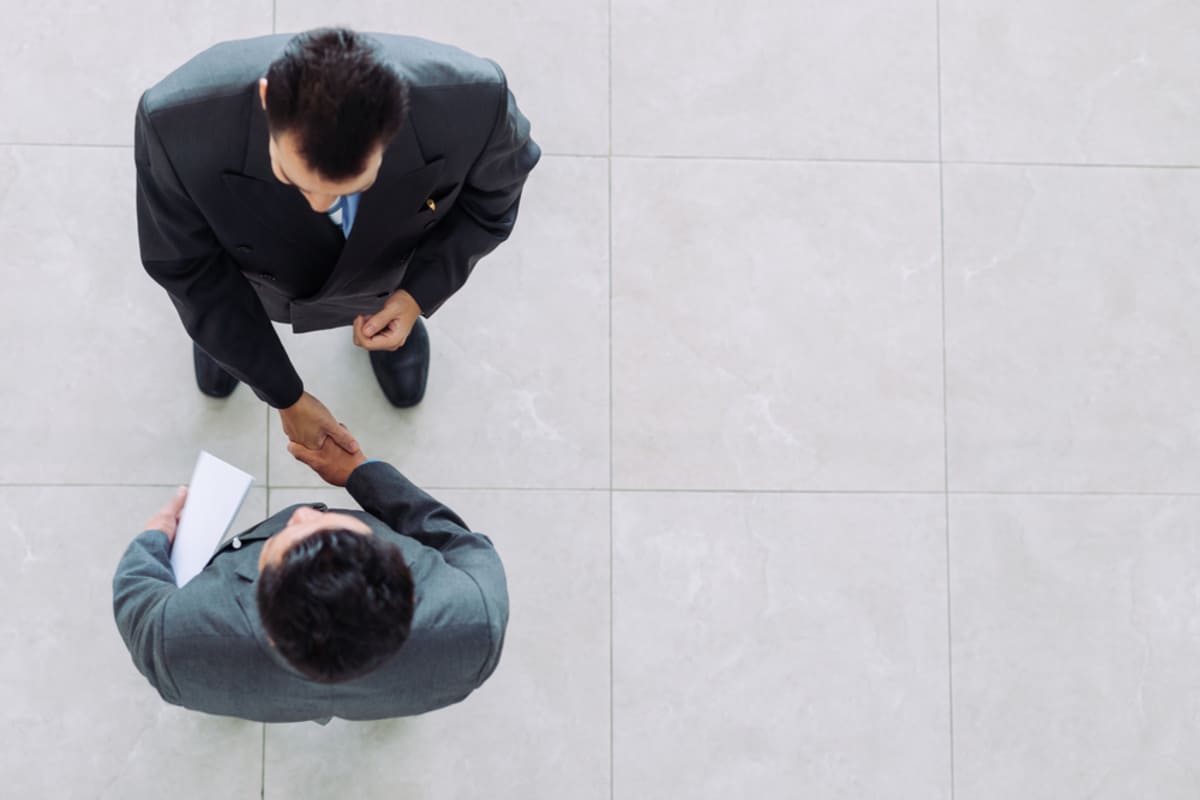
[(214, 497)]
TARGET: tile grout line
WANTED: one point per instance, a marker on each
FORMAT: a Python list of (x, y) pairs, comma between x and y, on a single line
[(267, 459), (661, 490), (798, 160), (945, 400), (612, 645), (262, 775), (262, 780)]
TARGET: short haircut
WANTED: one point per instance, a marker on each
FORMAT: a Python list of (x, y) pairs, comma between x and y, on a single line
[(332, 91), (338, 604)]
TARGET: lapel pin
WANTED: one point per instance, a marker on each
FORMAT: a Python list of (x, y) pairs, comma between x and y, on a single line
[(432, 206)]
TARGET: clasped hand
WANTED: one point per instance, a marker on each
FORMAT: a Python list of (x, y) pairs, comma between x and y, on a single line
[(388, 328)]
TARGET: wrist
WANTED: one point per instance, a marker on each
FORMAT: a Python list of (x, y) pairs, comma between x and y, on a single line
[(406, 302), (294, 408)]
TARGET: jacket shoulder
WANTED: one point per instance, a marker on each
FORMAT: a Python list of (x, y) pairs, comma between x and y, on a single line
[(223, 70), (430, 65)]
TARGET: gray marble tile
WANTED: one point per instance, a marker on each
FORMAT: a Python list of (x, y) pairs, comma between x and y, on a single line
[(518, 383), (778, 80), (76, 69), (1075, 81), (98, 384), (554, 54), (1070, 329), (779, 645), (776, 326), (540, 726), (81, 721), (1074, 641)]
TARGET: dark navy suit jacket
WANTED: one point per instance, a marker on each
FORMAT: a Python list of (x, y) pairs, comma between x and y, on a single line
[(235, 248)]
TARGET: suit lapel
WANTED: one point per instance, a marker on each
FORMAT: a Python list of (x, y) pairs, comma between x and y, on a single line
[(399, 194)]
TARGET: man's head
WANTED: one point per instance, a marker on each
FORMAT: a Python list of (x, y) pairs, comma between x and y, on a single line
[(335, 599), (332, 107)]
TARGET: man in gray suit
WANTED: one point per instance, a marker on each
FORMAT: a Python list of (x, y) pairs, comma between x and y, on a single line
[(323, 180), (313, 614)]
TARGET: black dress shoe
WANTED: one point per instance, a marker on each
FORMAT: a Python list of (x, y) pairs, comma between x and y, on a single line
[(211, 377), (402, 373)]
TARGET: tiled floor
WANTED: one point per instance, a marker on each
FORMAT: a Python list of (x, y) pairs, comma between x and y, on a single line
[(833, 408)]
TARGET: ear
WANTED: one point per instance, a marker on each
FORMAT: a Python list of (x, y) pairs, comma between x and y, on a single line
[(262, 92)]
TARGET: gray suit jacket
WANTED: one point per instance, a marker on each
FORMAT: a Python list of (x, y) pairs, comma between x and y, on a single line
[(203, 647), (235, 248)]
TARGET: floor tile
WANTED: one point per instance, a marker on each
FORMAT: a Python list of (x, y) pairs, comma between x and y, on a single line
[(554, 54), (1070, 329), (106, 392), (82, 722), (792, 345), (764, 79), (779, 645), (1074, 81), (1074, 640), (83, 66), (518, 382), (540, 726)]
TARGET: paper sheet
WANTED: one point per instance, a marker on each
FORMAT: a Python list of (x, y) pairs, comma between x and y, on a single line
[(214, 496)]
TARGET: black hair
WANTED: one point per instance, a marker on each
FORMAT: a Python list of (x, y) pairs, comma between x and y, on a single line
[(332, 91), (338, 603)]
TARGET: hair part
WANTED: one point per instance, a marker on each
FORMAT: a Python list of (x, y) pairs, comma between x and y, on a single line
[(333, 93), (338, 604)]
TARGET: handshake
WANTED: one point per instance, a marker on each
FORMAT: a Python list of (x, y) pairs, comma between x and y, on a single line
[(320, 441), (316, 438)]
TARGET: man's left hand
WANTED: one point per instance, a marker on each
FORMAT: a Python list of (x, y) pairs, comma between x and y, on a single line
[(167, 518), (387, 329)]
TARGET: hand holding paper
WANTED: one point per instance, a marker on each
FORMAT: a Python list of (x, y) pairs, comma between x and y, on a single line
[(213, 499), (167, 518)]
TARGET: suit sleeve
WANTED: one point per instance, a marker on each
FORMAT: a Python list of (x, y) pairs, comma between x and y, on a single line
[(386, 494), (142, 586), (484, 212), (216, 304)]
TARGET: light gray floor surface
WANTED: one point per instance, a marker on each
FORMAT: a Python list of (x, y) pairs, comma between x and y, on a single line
[(833, 406)]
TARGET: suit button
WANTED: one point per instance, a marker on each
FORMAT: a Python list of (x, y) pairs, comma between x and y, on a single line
[(236, 543)]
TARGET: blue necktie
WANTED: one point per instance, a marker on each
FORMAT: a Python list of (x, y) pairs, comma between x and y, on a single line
[(337, 213)]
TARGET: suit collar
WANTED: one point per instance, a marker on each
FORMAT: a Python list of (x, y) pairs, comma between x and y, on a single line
[(246, 568), (402, 156), (404, 182)]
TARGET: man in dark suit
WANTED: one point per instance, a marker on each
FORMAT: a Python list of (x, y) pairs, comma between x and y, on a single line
[(314, 614), (323, 180)]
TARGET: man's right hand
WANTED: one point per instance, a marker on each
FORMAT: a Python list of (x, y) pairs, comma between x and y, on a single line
[(307, 422), (330, 461)]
